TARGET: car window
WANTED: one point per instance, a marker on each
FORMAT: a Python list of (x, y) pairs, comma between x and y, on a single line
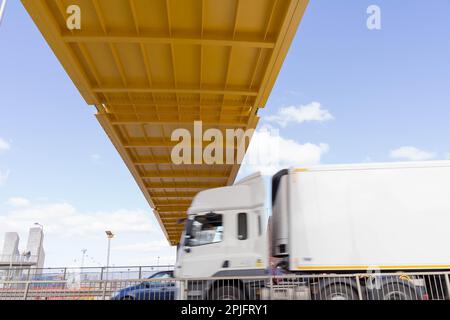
[(162, 275)]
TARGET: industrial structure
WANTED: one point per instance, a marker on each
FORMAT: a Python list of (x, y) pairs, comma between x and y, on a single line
[(153, 66), (32, 259)]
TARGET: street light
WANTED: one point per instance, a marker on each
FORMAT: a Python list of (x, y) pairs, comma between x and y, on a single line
[(40, 244), (109, 235), (83, 251)]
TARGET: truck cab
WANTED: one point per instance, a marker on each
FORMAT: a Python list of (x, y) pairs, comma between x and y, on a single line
[(224, 233)]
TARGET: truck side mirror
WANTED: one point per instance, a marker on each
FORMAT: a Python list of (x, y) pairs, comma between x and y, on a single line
[(189, 223)]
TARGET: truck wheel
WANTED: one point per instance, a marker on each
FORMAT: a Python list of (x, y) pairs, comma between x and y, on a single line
[(338, 291), (399, 291), (227, 293)]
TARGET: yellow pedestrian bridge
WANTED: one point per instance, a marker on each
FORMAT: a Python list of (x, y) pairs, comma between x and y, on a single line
[(153, 66)]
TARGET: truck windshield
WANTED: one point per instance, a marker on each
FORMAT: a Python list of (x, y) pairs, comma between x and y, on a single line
[(204, 229)]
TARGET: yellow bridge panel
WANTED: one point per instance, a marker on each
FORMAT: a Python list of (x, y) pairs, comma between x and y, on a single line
[(152, 66)]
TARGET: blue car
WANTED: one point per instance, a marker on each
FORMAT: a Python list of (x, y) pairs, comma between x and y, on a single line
[(150, 290)]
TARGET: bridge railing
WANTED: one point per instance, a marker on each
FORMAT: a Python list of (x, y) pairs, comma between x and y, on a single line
[(384, 286), (30, 273)]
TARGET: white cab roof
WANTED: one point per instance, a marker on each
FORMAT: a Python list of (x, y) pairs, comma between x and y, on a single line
[(246, 194)]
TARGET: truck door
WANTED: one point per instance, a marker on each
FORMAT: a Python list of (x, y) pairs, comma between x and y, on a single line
[(204, 250), (244, 242)]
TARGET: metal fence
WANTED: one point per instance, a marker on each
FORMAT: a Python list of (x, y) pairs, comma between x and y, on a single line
[(30, 273), (17, 259), (393, 286)]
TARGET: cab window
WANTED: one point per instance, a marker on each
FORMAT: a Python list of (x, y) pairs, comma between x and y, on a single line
[(242, 226), (204, 229)]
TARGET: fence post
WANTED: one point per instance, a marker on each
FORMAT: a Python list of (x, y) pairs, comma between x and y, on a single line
[(101, 277), (140, 272), (27, 287), (447, 283), (184, 289), (104, 290), (65, 274), (271, 288), (358, 287)]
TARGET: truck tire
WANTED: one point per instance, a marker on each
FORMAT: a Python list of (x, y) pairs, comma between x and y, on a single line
[(399, 291), (227, 293), (338, 291)]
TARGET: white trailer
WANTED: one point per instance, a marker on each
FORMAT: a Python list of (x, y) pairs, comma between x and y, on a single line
[(387, 217), (392, 216)]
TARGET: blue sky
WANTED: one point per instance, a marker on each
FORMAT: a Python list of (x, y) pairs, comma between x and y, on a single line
[(386, 93)]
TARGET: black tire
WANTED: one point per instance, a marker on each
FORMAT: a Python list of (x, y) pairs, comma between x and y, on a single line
[(127, 298), (227, 293), (399, 291), (338, 291)]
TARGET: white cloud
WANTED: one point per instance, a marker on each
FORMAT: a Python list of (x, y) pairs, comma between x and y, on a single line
[(411, 153), (3, 177), (299, 114), (64, 220), (4, 146), (269, 152), (18, 202)]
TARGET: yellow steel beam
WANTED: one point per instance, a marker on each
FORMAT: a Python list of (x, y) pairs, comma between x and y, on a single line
[(181, 123), (188, 175), (126, 89), (183, 185), (138, 39)]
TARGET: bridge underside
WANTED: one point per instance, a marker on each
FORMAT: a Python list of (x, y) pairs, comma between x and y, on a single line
[(153, 66)]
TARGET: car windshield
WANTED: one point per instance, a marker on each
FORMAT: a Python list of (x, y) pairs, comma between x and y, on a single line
[(161, 275)]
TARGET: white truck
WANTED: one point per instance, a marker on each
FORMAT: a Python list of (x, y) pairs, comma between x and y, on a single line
[(330, 219)]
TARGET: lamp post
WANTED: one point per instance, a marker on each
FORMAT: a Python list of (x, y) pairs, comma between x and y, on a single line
[(109, 235), (83, 251), (40, 244)]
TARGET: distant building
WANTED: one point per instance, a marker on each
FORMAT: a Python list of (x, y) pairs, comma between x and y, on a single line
[(34, 255), (10, 247), (35, 246)]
